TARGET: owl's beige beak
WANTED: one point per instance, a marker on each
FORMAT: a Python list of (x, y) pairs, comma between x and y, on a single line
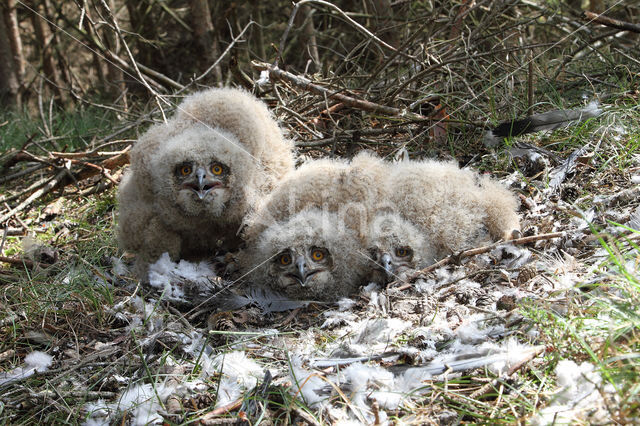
[(201, 185), (387, 264), (302, 274)]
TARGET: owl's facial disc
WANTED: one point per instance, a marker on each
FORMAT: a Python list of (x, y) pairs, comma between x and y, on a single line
[(302, 267), (200, 181), (392, 261)]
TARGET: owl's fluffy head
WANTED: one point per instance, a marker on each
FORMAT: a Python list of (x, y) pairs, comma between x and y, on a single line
[(311, 255), (396, 246), (203, 172), (247, 118)]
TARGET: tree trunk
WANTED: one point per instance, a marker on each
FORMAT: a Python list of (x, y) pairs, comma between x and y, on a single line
[(9, 85), (384, 21), (45, 40), (115, 77), (142, 23), (205, 36), (13, 34), (308, 40)]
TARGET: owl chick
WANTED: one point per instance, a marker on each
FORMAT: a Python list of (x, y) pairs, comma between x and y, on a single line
[(312, 255), (456, 208), (348, 189), (396, 246), (192, 180)]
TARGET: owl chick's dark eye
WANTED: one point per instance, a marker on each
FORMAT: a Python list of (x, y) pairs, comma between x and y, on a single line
[(284, 259), (318, 255), (185, 170), (403, 251), (216, 169)]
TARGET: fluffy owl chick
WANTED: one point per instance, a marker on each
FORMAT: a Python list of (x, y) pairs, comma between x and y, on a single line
[(186, 197), (350, 189), (248, 119), (396, 246), (312, 255), (456, 208)]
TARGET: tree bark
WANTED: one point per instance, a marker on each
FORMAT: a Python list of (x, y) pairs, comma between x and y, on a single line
[(308, 40), (205, 36), (9, 86), (142, 23), (45, 40), (13, 33)]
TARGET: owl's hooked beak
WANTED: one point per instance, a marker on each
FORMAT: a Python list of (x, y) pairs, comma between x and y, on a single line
[(202, 185), (302, 274), (387, 264)]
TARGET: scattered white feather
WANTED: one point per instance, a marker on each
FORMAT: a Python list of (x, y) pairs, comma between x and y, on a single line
[(346, 304), (118, 266), (263, 79), (380, 331), (362, 379), (579, 398), (39, 361), (169, 277), (34, 362), (308, 384), (239, 374), (337, 318)]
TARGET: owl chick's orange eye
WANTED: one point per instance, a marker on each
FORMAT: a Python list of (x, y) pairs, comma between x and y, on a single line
[(317, 255), (403, 252), (185, 170), (285, 259), (216, 169)]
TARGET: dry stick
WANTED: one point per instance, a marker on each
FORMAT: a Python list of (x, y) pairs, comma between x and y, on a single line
[(155, 94), (86, 154), (610, 22), (276, 73), (226, 51), (487, 387), (108, 164), (148, 71), (472, 252), (359, 27), (37, 194), (17, 261)]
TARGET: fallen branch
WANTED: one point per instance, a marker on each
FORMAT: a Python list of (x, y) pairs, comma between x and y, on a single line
[(537, 350), (106, 165), (610, 22), (276, 73), (37, 194), (17, 261), (471, 252)]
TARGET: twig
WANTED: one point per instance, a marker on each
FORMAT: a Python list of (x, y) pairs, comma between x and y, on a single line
[(226, 51), (537, 350), (155, 94), (610, 22), (17, 261), (108, 164), (359, 27), (148, 71), (222, 410), (76, 155), (37, 194), (473, 252), (276, 73)]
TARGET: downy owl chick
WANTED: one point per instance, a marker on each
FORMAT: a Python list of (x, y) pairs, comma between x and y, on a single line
[(311, 255), (455, 208), (350, 189), (396, 246), (192, 180)]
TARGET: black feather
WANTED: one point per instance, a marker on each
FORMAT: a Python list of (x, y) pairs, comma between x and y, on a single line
[(545, 121)]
